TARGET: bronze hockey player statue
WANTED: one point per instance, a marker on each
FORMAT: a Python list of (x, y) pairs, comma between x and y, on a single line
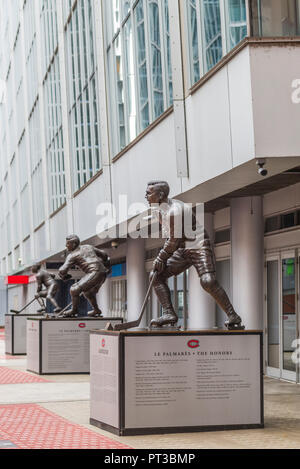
[(95, 263), (174, 258), (47, 280)]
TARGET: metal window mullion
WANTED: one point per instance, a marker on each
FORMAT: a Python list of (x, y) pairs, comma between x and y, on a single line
[(82, 124), (224, 29), (163, 52), (114, 116), (125, 82), (116, 87), (201, 42), (92, 123), (77, 104), (90, 73), (148, 62), (136, 71)]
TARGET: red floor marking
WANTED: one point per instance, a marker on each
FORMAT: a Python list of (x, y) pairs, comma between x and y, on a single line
[(29, 426), (9, 376)]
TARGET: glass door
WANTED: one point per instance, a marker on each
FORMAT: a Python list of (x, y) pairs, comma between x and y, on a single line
[(272, 304), (281, 314), (289, 329)]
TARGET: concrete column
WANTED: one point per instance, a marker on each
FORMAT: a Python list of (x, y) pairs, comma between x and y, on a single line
[(247, 259), (136, 278), (202, 307), (103, 297)]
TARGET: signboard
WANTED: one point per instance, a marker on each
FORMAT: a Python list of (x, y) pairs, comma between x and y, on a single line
[(15, 334), (105, 379), (33, 345), (8, 334), (62, 346), (190, 381)]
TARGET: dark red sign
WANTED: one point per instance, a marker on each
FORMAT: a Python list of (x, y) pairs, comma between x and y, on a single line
[(193, 343), (17, 280), (82, 325)]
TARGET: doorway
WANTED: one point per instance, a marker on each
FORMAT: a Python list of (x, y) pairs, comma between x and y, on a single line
[(282, 310)]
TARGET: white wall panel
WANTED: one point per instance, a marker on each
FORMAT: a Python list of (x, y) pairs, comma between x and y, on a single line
[(240, 101), (222, 218), (276, 118), (58, 230), (85, 206), (284, 199), (208, 130), (152, 158), (40, 244)]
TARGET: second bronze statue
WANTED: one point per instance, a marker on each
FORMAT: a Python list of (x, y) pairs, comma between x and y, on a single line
[(95, 264), (47, 280)]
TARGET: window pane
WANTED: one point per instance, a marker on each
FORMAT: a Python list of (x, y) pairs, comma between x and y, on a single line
[(156, 65), (212, 33), (142, 67), (237, 21), (194, 43), (276, 17)]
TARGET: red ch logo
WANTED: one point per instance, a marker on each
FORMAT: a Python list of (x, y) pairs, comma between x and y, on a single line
[(82, 325), (193, 343), (103, 342)]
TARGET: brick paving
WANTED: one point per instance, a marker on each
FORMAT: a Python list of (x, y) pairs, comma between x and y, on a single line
[(32, 427), (9, 376)]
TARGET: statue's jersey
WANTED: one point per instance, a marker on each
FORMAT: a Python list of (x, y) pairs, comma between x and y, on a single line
[(85, 257), (44, 278), (182, 222)]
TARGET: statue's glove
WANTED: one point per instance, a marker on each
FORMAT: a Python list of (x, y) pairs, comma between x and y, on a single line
[(160, 262), (37, 296), (63, 274)]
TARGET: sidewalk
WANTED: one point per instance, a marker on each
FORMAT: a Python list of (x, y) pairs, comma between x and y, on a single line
[(53, 412)]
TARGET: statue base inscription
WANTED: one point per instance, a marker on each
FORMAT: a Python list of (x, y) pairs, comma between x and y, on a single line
[(175, 382), (61, 346)]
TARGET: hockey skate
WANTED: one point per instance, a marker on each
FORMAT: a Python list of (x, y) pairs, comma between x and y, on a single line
[(234, 322), (167, 320), (95, 314)]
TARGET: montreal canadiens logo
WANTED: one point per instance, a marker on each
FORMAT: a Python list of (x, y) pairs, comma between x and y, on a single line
[(103, 342), (193, 343), (82, 325)]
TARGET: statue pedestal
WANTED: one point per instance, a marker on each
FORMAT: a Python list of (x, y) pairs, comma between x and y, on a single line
[(61, 346), (15, 333), (176, 382)]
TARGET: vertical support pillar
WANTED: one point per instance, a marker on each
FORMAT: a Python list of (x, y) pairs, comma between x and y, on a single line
[(103, 298), (136, 278), (247, 247), (202, 307)]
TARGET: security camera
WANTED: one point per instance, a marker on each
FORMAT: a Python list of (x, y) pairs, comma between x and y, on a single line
[(262, 171), (114, 244)]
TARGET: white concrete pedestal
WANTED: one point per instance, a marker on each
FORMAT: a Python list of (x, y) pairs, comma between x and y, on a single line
[(15, 333), (61, 346), (176, 382)]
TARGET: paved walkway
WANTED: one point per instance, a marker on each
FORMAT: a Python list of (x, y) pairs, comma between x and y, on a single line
[(53, 412)]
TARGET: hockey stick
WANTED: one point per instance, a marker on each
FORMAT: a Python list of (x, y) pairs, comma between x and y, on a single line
[(21, 310), (136, 323)]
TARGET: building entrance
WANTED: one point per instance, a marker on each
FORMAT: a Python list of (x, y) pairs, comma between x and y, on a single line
[(282, 312)]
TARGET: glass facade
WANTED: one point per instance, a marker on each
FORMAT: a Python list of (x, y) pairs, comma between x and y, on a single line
[(214, 27), (275, 18), (140, 71), (83, 93)]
